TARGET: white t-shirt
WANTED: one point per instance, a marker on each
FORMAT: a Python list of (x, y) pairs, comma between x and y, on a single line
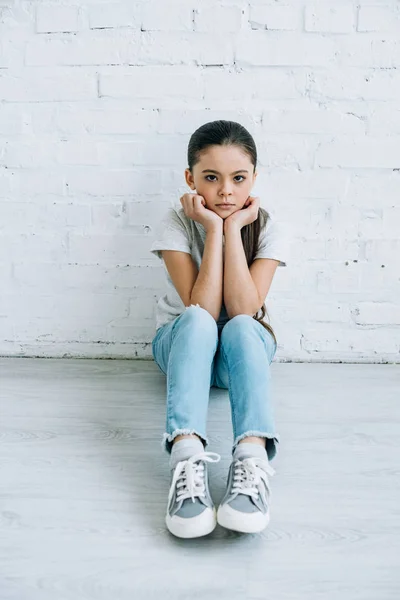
[(177, 232)]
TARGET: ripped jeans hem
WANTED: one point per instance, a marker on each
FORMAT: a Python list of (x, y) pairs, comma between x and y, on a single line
[(271, 444), (168, 438)]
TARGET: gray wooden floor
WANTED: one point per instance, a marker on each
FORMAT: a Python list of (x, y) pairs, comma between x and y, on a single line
[(84, 485)]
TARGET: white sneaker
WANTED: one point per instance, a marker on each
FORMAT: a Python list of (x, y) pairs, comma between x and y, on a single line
[(245, 505), (191, 512)]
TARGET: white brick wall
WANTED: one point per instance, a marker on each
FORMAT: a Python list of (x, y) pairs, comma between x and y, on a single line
[(97, 104)]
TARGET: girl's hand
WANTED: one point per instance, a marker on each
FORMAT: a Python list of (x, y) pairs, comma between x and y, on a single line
[(194, 208), (246, 215)]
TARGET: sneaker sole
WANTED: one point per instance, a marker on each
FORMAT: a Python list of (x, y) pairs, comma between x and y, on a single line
[(193, 527), (243, 522)]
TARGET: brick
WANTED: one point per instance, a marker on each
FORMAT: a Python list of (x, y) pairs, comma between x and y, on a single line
[(114, 15), (171, 16), (360, 153), (154, 82), (56, 18), (377, 313), (329, 18), (379, 18), (67, 86), (284, 49), (218, 19), (281, 18)]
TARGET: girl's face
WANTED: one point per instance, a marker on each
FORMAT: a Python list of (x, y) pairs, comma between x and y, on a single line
[(224, 177)]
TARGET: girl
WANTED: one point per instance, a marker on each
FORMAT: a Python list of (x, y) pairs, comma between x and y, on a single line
[(220, 251)]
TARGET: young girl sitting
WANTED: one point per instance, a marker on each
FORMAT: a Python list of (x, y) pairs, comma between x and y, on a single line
[(221, 251)]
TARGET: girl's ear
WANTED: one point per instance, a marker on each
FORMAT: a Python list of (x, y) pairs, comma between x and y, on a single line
[(189, 179)]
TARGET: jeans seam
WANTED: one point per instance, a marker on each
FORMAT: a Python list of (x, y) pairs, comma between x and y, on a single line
[(229, 390)]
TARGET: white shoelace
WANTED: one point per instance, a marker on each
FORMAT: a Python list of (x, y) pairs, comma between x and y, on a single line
[(189, 476), (248, 474)]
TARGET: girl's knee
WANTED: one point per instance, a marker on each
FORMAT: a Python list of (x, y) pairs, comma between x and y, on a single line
[(237, 324), (242, 324), (199, 319)]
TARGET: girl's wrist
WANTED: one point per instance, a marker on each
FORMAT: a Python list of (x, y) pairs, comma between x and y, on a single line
[(231, 225)]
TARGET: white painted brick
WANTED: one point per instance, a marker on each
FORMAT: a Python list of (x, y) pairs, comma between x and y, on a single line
[(377, 313), (109, 217), (210, 50), (171, 16), (68, 86), (385, 119), (380, 223), (55, 18), (344, 251), (152, 82), (308, 250), (31, 247), (12, 120), (376, 280), (283, 184), (114, 15), (360, 51), (32, 217), (355, 84), (186, 121), (28, 155), (276, 17), (279, 150), (382, 251), (5, 184), (36, 183), (163, 151), (371, 224), (323, 310), (76, 52), (38, 336), (142, 214), (379, 18), (284, 49), (11, 53), (54, 278), (329, 17), (105, 306), (139, 218), (105, 249), (218, 19), (311, 121), (360, 153), (374, 190), (171, 48), (95, 181), (319, 339), (110, 118), (247, 87), (81, 152), (139, 310)]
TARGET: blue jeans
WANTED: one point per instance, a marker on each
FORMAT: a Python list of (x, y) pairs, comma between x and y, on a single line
[(196, 354)]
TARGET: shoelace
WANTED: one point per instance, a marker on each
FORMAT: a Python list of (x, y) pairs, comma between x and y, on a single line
[(189, 476), (248, 474)]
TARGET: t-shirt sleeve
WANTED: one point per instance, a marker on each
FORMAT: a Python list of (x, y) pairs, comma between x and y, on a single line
[(171, 234), (274, 242)]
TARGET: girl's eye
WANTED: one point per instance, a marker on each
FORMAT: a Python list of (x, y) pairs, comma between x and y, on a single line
[(242, 178)]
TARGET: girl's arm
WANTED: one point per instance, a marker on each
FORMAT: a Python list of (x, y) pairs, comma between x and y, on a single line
[(207, 291), (239, 291)]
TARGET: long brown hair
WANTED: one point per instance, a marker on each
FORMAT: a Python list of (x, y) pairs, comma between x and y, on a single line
[(225, 133)]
